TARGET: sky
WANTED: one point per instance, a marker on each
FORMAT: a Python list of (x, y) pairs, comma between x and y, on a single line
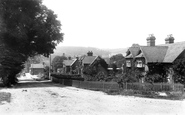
[(109, 24)]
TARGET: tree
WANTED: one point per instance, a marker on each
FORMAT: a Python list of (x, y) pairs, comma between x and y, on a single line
[(156, 73), (27, 28), (117, 59), (179, 68), (57, 62)]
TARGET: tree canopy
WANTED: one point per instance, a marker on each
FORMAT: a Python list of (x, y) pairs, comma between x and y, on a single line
[(57, 62), (117, 59), (27, 28)]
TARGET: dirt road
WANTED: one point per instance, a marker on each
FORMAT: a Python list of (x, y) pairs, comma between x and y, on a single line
[(48, 98)]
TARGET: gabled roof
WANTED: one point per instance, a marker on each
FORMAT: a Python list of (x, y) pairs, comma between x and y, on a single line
[(37, 66), (89, 59), (129, 56), (174, 50), (132, 52), (69, 62), (140, 55), (154, 53), (166, 53)]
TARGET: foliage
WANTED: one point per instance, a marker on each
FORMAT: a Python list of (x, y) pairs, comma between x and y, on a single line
[(117, 59), (11, 64), (30, 27), (132, 75), (179, 68), (153, 78), (114, 67), (46, 72), (27, 28), (156, 73), (57, 62), (97, 71), (35, 59)]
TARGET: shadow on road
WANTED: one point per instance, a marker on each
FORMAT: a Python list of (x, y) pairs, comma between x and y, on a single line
[(34, 84)]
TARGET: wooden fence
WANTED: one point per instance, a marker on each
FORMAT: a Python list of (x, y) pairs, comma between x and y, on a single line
[(96, 85)]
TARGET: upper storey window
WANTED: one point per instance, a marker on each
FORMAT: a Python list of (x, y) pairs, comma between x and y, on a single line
[(128, 63), (139, 64)]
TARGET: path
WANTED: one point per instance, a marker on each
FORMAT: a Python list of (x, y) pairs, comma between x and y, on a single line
[(49, 98)]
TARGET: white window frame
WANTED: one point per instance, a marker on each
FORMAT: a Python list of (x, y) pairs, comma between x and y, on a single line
[(128, 63), (139, 64)]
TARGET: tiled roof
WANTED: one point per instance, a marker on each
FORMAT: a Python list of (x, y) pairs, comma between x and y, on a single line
[(154, 53), (166, 53), (37, 66), (140, 55), (134, 51), (174, 50), (89, 59), (129, 56), (69, 62)]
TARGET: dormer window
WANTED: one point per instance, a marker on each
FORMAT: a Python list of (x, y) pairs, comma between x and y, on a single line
[(139, 64), (128, 63)]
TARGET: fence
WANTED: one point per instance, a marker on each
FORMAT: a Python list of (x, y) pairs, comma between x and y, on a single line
[(115, 86)]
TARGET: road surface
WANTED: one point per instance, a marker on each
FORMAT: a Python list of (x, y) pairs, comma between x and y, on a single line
[(34, 97)]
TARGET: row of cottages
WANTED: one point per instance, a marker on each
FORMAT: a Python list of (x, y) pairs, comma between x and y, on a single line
[(75, 66), (140, 56)]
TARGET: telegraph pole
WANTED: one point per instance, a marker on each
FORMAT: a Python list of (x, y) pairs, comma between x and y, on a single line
[(50, 67)]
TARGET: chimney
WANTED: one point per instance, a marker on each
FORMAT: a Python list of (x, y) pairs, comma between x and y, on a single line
[(90, 53), (151, 40), (169, 39)]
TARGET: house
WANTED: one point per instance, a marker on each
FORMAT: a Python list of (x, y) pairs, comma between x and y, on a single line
[(36, 69), (141, 56), (96, 63), (89, 59), (71, 66)]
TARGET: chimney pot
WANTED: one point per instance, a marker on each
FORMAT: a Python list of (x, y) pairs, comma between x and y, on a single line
[(169, 39), (151, 40)]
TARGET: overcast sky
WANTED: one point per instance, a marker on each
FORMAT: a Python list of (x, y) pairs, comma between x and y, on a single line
[(118, 23)]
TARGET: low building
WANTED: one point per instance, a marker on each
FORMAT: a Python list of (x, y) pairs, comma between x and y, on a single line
[(71, 66), (36, 69)]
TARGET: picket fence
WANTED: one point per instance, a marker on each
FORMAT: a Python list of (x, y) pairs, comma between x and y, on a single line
[(96, 85)]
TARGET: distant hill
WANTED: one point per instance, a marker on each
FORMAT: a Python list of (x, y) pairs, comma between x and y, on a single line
[(79, 51), (117, 51)]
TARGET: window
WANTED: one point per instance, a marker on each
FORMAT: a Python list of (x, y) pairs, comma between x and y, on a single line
[(139, 64), (128, 63)]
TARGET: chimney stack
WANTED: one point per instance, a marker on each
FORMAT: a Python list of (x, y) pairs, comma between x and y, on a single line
[(151, 40), (90, 53), (169, 39)]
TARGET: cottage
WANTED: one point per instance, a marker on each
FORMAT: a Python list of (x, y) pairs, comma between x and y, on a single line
[(36, 69), (89, 59), (71, 66), (141, 56)]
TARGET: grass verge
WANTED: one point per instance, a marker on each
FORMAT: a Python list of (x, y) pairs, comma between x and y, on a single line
[(148, 94)]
